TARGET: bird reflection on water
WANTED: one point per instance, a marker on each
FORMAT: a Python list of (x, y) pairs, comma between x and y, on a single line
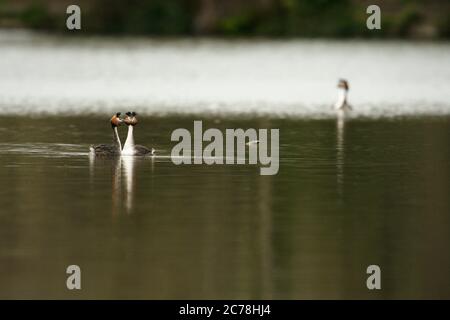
[(122, 168), (340, 153)]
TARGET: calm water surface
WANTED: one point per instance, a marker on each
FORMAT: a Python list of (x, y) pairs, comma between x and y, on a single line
[(346, 196), (372, 190)]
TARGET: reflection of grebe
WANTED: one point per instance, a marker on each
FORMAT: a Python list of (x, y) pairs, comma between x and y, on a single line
[(110, 149), (340, 156), (129, 148), (128, 170), (342, 103)]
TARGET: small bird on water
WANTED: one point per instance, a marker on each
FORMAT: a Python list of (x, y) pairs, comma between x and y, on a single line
[(342, 103)]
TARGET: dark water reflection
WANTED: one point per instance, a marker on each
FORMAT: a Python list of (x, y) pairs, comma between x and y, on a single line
[(348, 194)]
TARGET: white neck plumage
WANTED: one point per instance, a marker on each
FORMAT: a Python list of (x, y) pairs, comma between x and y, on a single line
[(342, 99), (128, 147), (116, 138)]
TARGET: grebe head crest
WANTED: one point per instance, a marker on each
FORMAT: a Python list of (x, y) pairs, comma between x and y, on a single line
[(115, 120), (131, 119), (343, 84)]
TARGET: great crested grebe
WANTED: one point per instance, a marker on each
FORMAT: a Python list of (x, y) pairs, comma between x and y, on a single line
[(342, 103), (129, 148), (110, 149)]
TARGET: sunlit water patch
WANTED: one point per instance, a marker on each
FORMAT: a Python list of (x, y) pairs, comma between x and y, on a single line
[(47, 74)]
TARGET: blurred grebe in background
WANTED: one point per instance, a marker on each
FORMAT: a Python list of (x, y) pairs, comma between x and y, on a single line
[(342, 103)]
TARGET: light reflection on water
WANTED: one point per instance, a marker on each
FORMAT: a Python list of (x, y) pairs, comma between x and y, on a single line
[(348, 194), (47, 74)]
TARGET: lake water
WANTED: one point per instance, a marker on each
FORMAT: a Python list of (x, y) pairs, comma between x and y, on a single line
[(373, 189)]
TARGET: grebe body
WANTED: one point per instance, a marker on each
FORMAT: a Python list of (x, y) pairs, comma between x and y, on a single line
[(342, 105), (130, 148), (113, 149)]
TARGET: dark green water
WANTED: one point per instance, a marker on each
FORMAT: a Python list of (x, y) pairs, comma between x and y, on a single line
[(369, 192)]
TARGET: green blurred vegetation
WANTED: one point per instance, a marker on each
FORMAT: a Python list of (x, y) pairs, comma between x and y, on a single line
[(37, 16), (157, 17), (271, 18), (294, 18)]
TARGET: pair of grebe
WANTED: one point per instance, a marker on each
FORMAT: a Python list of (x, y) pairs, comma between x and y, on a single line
[(129, 148)]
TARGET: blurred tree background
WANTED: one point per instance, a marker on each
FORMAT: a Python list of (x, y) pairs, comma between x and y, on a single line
[(264, 18)]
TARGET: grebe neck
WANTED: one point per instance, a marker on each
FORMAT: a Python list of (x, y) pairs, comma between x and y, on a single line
[(116, 138), (342, 98), (129, 142)]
